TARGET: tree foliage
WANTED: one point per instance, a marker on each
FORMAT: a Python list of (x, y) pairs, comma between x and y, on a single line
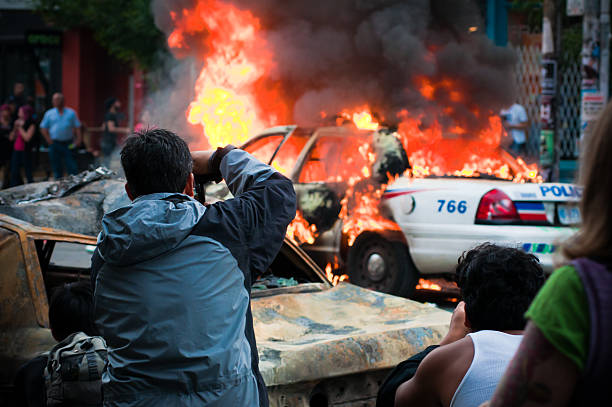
[(532, 9), (571, 27), (124, 27)]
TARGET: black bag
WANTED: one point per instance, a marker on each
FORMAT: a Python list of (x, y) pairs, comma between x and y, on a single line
[(74, 371)]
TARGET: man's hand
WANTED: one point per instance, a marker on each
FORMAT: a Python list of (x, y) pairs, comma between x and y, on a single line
[(457, 329), (79, 137), (201, 161), (47, 136)]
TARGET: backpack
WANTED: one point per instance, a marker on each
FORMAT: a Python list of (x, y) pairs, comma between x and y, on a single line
[(73, 374)]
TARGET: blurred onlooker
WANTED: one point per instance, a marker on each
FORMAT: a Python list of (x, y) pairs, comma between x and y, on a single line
[(497, 285), (19, 94), (565, 356), (18, 98), (515, 122), (22, 137), (70, 311), (59, 127), (112, 117), (6, 147)]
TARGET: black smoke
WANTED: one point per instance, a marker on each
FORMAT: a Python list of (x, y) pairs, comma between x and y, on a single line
[(336, 54)]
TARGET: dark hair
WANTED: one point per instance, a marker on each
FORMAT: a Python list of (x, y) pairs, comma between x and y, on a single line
[(27, 110), (498, 284), (156, 160), (71, 310), (594, 239), (108, 103)]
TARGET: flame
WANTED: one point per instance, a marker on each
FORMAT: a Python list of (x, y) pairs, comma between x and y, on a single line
[(363, 215), (235, 98), (363, 120), (334, 278), (230, 88), (361, 117), (426, 88), (300, 231), (433, 152), (428, 285)]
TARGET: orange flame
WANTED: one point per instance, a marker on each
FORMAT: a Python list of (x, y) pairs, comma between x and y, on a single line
[(334, 278), (363, 120), (428, 285), (234, 99), (229, 87), (300, 231), (432, 151)]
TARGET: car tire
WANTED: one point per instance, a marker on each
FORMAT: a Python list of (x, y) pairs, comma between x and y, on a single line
[(382, 265)]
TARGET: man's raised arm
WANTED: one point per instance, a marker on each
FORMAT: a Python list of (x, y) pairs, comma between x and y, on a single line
[(263, 206)]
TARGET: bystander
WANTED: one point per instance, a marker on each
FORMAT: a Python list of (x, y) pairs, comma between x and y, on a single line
[(497, 285), (61, 129), (70, 311), (22, 137), (173, 277), (566, 355), (112, 117), (515, 122), (6, 147), (18, 98)]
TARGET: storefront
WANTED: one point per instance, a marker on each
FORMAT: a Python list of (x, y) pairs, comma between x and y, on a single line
[(30, 52)]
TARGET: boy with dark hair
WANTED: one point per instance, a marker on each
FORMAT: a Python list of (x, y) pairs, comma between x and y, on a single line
[(497, 285), (70, 311), (197, 345)]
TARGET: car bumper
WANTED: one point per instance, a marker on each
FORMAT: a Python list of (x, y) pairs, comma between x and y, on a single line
[(436, 248)]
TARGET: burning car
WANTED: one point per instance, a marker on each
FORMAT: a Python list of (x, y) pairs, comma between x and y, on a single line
[(357, 215), (317, 343)]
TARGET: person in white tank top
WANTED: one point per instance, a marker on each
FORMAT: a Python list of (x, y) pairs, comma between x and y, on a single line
[(497, 285), (493, 350)]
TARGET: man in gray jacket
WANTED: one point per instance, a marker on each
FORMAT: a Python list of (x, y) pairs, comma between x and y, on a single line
[(172, 277)]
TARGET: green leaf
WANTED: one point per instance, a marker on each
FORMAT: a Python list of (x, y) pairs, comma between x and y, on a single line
[(124, 27)]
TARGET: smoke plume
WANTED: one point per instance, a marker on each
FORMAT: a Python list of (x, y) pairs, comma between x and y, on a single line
[(335, 54)]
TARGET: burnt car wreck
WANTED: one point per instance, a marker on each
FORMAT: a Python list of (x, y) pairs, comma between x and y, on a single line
[(317, 343)]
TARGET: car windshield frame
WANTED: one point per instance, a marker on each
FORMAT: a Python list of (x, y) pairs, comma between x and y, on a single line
[(332, 132)]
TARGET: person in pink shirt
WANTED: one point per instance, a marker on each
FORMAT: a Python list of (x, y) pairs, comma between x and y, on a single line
[(21, 136)]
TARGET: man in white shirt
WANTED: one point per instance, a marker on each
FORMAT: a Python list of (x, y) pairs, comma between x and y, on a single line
[(515, 122), (497, 285)]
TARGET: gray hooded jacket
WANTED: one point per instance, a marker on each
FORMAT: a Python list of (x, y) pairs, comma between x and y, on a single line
[(172, 285)]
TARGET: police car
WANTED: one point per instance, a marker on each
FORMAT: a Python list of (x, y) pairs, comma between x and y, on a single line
[(437, 218)]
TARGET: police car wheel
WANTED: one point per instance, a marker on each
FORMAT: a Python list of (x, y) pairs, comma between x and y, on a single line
[(381, 265)]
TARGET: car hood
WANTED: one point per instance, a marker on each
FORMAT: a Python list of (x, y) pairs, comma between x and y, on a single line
[(342, 330)]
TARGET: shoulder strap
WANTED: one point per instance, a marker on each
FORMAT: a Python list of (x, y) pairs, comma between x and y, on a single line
[(597, 282)]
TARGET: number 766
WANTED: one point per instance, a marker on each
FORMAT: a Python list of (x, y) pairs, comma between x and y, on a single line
[(451, 206)]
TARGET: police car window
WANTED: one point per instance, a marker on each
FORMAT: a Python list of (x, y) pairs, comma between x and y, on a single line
[(335, 158), (289, 152), (263, 148)]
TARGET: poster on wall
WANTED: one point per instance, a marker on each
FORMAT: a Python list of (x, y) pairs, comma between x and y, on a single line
[(592, 105)]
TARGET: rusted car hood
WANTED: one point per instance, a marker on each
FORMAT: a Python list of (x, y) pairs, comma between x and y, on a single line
[(342, 330)]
